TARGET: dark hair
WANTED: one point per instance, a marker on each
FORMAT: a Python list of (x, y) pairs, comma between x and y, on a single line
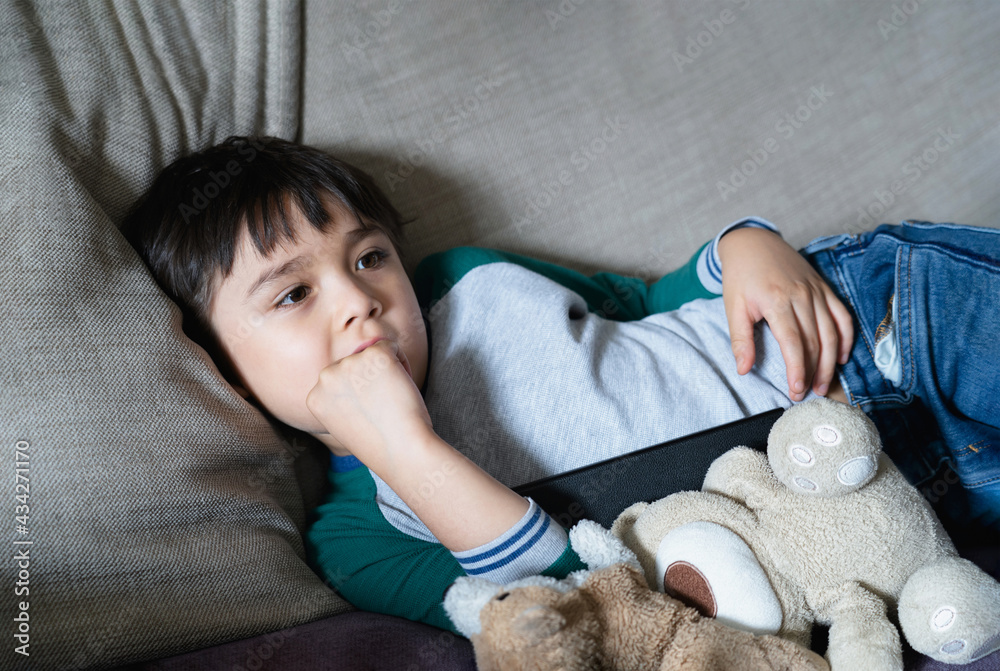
[(188, 224)]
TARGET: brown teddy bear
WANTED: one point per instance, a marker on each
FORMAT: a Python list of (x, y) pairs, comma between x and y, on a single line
[(605, 618)]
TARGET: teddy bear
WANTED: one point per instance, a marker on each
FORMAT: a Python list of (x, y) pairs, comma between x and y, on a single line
[(604, 618), (823, 528)]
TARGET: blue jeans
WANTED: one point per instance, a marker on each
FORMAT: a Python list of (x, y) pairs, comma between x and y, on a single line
[(926, 359)]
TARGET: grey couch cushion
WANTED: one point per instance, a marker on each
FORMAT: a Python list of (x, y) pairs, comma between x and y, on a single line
[(594, 134), (164, 511)]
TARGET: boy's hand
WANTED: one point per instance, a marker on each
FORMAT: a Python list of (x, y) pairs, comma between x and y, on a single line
[(372, 408), (368, 404), (764, 278)]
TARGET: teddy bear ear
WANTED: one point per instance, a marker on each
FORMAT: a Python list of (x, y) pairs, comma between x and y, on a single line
[(465, 599)]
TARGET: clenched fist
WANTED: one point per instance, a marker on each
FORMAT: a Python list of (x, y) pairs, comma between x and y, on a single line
[(369, 404)]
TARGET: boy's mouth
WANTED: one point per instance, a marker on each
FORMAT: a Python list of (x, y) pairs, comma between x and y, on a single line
[(399, 354), (369, 343)]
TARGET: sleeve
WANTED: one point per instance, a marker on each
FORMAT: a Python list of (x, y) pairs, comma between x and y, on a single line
[(379, 568), (701, 277), (609, 295), (535, 545)]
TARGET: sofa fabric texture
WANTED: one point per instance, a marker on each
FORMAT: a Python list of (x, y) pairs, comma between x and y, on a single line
[(163, 512)]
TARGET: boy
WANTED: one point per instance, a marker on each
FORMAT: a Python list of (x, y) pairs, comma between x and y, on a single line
[(287, 264)]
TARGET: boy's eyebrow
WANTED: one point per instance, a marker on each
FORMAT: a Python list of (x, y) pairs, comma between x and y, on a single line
[(273, 273)]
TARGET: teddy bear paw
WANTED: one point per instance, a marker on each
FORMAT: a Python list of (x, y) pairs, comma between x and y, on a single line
[(950, 611)]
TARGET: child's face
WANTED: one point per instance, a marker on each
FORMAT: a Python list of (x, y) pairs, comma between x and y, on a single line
[(331, 295)]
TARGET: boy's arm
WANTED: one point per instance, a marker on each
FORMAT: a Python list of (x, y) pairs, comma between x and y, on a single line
[(491, 531), (371, 407), (702, 276), (375, 566), (609, 295), (379, 568), (460, 503)]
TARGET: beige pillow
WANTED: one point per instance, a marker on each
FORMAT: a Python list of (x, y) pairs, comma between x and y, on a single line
[(163, 512)]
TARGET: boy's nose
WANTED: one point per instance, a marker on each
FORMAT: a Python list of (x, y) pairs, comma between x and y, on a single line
[(355, 304), (373, 312)]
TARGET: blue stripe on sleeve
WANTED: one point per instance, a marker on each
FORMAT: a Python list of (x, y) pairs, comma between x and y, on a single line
[(506, 544), (513, 555)]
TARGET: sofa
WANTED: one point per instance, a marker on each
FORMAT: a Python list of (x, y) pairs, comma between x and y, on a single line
[(162, 514)]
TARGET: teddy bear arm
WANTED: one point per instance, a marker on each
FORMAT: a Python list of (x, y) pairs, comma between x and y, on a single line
[(742, 473)]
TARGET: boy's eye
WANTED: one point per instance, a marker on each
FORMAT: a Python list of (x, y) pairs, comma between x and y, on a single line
[(375, 259), (378, 255), (297, 295)]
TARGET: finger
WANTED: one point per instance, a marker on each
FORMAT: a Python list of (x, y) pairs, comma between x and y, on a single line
[(845, 326), (805, 309), (785, 328), (741, 325), (829, 348), (391, 350)]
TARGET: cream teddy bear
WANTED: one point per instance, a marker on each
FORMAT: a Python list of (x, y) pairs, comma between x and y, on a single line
[(823, 528), (605, 619)]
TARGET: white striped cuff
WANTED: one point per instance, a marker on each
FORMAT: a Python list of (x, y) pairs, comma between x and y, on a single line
[(709, 263), (529, 547)]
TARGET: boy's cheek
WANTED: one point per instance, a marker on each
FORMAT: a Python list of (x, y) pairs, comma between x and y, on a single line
[(414, 331)]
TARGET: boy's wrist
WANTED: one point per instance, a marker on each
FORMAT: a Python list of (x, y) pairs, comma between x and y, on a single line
[(738, 237), (420, 449), (379, 451), (404, 457)]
